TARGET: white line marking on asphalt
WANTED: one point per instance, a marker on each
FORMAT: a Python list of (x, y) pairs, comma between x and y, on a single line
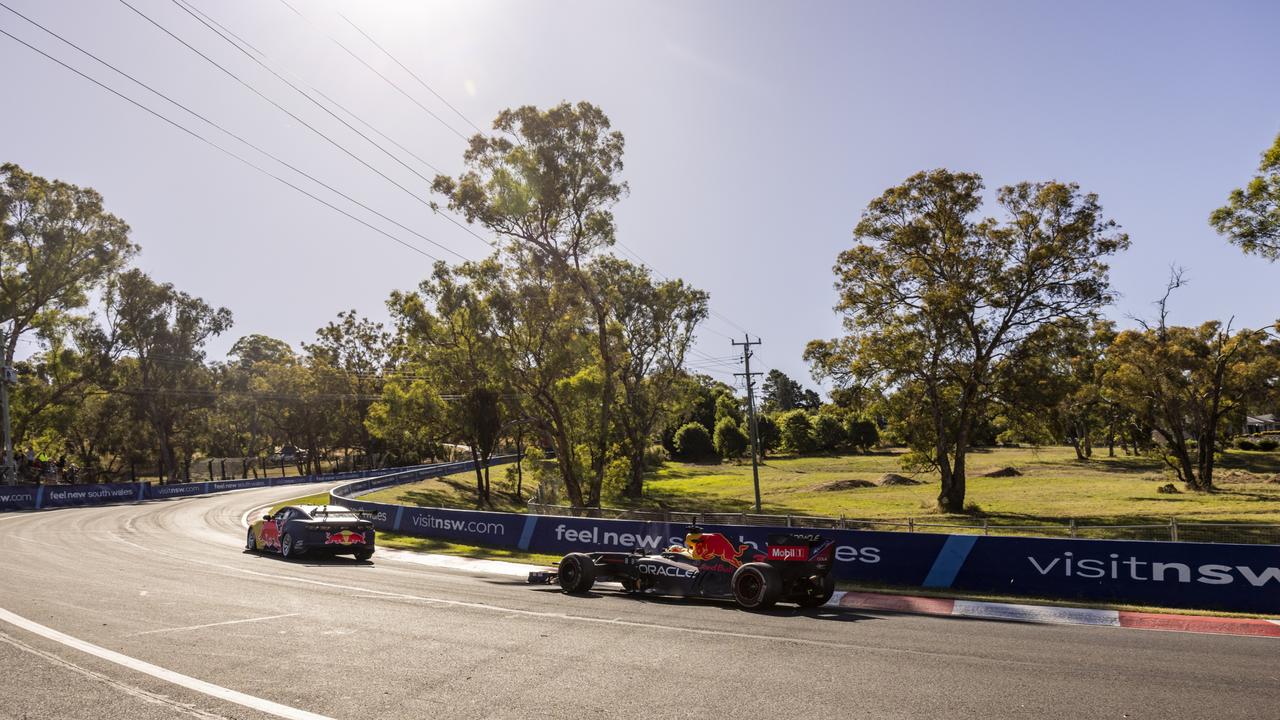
[(186, 681), (127, 689), (1036, 613), (209, 625)]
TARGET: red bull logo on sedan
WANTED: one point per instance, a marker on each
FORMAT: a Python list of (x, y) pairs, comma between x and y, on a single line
[(344, 537)]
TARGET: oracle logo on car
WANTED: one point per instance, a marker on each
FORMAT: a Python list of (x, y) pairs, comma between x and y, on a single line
[(668, 570)]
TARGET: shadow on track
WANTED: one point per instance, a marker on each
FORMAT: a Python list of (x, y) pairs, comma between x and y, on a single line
[(311, 560), (834, 614)]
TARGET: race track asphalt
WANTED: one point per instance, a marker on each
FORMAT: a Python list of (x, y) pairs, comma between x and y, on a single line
[(167, 583)]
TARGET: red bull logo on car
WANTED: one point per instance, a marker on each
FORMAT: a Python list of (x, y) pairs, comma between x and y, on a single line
[(344, 537), (712, 546)]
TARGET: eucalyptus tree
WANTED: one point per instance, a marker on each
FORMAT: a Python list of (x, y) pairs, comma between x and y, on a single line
[(446, 335), (655, 323), (165, 330), (1183, 381), (934, 296), (545, 182), (57, 245), (1251, 217)]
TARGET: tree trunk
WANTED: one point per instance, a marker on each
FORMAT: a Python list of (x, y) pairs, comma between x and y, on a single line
[(606, 404), (482, 497), (520, 466), (635, 484)]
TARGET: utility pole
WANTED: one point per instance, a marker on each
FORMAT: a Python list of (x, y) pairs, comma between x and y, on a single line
[(751, 410), (7, 376)]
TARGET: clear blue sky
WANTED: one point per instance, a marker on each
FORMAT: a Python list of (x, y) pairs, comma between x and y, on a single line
[(755, 132)]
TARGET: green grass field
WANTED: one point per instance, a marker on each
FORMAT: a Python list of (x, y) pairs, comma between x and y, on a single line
[(1053, 488)]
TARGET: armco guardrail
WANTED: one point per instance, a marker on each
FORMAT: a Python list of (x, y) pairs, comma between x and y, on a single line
[(1241, 578), (39, 497)]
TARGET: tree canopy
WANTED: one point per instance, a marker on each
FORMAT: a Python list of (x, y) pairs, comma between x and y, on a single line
[(1251, 217)]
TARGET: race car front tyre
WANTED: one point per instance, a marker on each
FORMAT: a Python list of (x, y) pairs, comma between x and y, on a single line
[(577, 573), (816, 594), (756, 586), (251, 544)]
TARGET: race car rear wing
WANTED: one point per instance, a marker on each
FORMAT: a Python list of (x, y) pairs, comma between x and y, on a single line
[(799, 547)]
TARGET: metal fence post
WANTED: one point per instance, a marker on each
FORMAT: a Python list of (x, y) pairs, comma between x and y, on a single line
[(984, 527), (1073, 527), (223, 463), (788, 521), (911, 524), (1173, 529)]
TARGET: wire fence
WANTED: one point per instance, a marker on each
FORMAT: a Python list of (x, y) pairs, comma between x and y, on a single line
[(1173, 530)]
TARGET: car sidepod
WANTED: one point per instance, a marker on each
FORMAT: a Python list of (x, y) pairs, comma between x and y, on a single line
[(667, 576)]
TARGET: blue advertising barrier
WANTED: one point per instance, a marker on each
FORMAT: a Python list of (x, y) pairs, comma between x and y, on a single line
[(38, 497), (1241, 578)]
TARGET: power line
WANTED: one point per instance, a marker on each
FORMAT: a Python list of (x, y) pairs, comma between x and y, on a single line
[(240, 39), (376, 72), (227, 132), (412, 74), (188, 9), (280, 107), (215, 146)]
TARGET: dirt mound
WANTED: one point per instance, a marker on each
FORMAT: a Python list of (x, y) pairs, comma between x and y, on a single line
[(1004, 472), (892, 479), (1241, 476), (851, 484)]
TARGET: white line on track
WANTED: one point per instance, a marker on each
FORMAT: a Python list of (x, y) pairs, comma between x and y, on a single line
[(216, 624), (186, 681), (137, 692)]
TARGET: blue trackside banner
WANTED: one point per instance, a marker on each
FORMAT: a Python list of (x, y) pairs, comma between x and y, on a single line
[(39, 497), (70, 495), (1241, 578)]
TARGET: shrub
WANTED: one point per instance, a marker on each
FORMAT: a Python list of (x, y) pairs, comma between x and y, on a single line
[(828, 432), (616, 476), (727, 407), (768, 435), (654, 457), (1268, 444), (796, 430), (1246, 444), (862, 434), (693, 442), (729, 440)]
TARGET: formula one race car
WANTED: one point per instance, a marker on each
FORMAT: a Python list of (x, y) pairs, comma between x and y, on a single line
[(794, 567), (296, 530)]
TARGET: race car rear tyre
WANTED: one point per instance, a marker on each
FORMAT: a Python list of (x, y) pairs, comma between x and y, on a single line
[(817, 595), (251, 544), (577, 573), (286, 547), (756, 586), (364, 555)]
